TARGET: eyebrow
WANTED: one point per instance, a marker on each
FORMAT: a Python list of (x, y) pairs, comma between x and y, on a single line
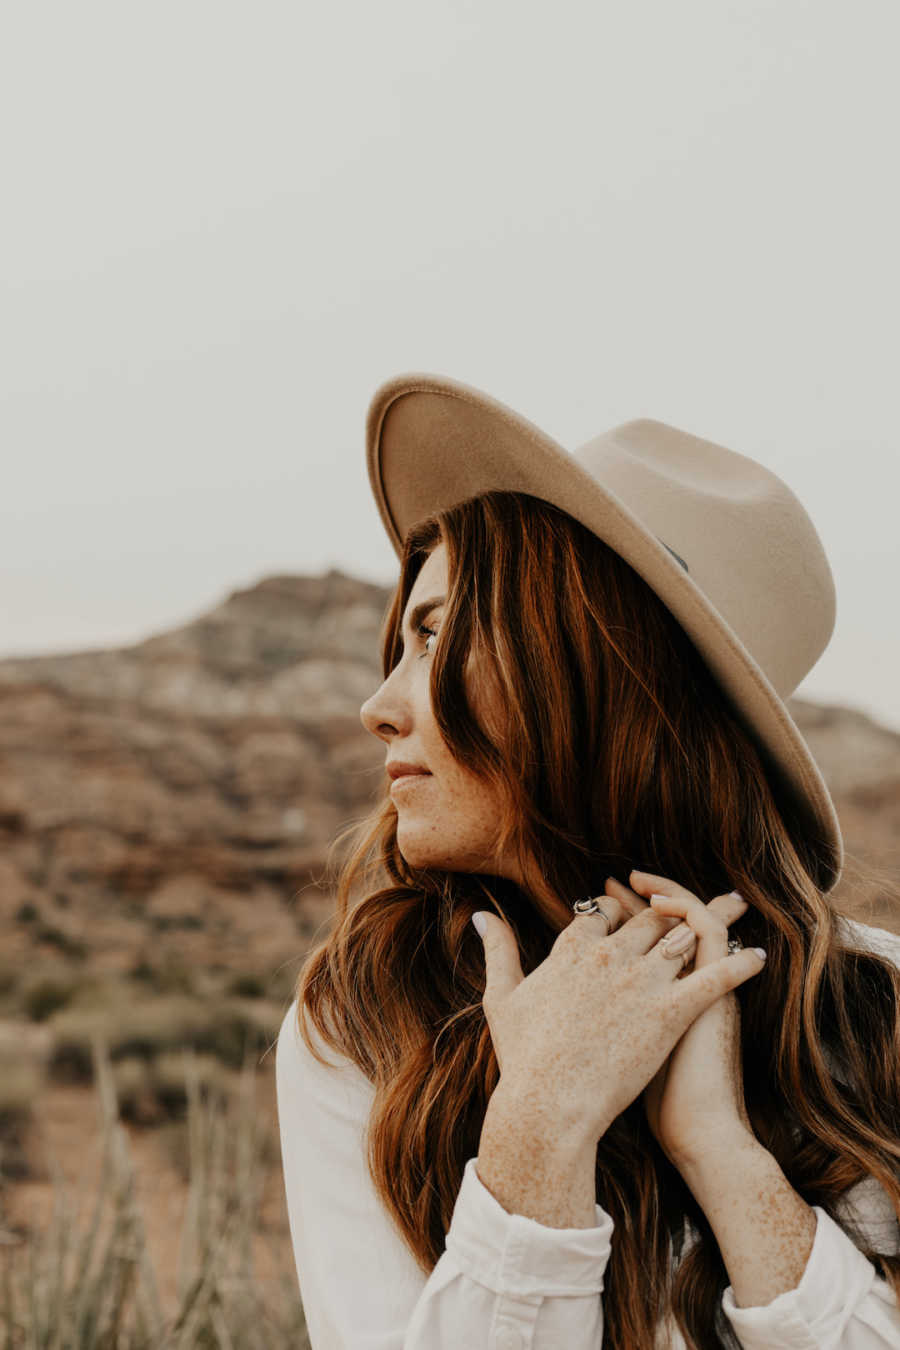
[(420, 610)]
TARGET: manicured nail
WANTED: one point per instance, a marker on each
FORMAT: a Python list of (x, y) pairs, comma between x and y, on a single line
[(675, 943), (760, 952), (478, 920), (736, 895)]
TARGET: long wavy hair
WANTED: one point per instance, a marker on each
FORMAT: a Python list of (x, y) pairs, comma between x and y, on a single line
[(618, 750)]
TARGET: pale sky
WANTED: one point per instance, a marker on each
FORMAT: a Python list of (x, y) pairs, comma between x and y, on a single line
[(224, 225)]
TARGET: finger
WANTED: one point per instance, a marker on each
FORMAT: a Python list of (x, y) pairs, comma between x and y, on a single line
[(649, 883), (629, 900), (728, 907), (614, 910), (681, 942), (710, 929), (680, 956), (701, 988), (502, 967), (643, 930)]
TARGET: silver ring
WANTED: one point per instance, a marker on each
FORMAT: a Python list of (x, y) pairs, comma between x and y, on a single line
[(590, 906), (735, 945)]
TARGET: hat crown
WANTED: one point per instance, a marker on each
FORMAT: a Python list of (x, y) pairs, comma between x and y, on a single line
[(738, 530)]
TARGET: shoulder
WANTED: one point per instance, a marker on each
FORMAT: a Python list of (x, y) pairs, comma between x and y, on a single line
[(865, 937), (303, 1083)]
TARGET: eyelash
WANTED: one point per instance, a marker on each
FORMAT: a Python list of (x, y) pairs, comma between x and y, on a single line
[(422, 630)]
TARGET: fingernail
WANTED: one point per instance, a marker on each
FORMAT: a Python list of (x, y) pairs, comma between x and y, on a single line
[(478, 920), (737, 895), (675, 944), (760, 952), (654, 896)]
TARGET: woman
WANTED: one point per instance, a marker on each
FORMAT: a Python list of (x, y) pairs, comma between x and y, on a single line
[(653, 1107)]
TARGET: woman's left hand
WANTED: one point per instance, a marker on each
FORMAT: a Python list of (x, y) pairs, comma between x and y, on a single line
[(697, 1096)]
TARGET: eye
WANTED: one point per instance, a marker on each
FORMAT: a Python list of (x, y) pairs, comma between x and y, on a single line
[(424, 630)]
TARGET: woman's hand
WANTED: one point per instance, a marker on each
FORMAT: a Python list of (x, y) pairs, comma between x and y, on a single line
[(586, 1031), (697, 1096)]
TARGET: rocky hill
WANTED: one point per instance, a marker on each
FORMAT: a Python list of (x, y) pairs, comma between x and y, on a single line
[(196, 776)]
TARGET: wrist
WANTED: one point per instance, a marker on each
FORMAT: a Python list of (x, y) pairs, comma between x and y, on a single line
[(531, 1113), (535, 1166), (722, 1152)]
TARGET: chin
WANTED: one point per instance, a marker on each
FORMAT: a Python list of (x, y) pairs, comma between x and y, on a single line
[(417, 853), (421, 858)]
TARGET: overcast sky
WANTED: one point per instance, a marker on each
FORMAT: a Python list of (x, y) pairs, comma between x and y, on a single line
[(223, 225)]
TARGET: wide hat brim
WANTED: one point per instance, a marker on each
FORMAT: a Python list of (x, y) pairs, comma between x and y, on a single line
[(432, 442)]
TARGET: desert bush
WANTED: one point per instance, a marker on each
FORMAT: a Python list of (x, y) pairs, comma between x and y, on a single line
[(247, 985), (224, 1028), (59, 938), (82, 1287), (10, 978), (45, 996), (164, 923), (20, 1083), (168, 976), (150, 1092)]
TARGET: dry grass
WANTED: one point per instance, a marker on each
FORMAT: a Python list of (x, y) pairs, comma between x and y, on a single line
[(87, 1281)]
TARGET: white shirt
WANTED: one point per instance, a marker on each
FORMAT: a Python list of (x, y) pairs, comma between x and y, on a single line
[(504, 1281)]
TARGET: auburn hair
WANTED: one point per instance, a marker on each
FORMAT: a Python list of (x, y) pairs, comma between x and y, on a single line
[(619, 750)]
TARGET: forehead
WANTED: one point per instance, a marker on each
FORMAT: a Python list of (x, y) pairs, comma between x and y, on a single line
[(432, 579)]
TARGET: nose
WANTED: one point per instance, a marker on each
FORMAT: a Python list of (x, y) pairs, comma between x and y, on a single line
[(386, 713)]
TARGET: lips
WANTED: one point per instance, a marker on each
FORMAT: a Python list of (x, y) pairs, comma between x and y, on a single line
[(405, 778), (401, 768)]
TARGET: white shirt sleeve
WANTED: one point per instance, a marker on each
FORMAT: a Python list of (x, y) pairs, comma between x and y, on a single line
[(503, 1282), (841, 1302)]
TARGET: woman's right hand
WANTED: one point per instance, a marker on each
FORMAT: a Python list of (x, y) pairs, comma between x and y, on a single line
[(579, 1038)]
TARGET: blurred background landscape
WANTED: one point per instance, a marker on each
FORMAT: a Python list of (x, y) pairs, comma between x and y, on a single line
[(165, 813)]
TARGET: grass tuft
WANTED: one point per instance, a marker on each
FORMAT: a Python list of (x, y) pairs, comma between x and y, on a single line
[(93, 1286)]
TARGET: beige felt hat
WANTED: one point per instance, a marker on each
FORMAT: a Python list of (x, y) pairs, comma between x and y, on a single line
[(723, 542)]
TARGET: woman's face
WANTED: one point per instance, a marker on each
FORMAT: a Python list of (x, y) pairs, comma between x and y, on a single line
[(446, 818)]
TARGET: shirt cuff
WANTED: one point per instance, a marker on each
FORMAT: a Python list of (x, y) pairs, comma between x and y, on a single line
[(836, 1280), (510, 1253)]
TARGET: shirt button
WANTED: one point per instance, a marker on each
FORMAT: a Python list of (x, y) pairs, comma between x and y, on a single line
[(508, 1338)]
